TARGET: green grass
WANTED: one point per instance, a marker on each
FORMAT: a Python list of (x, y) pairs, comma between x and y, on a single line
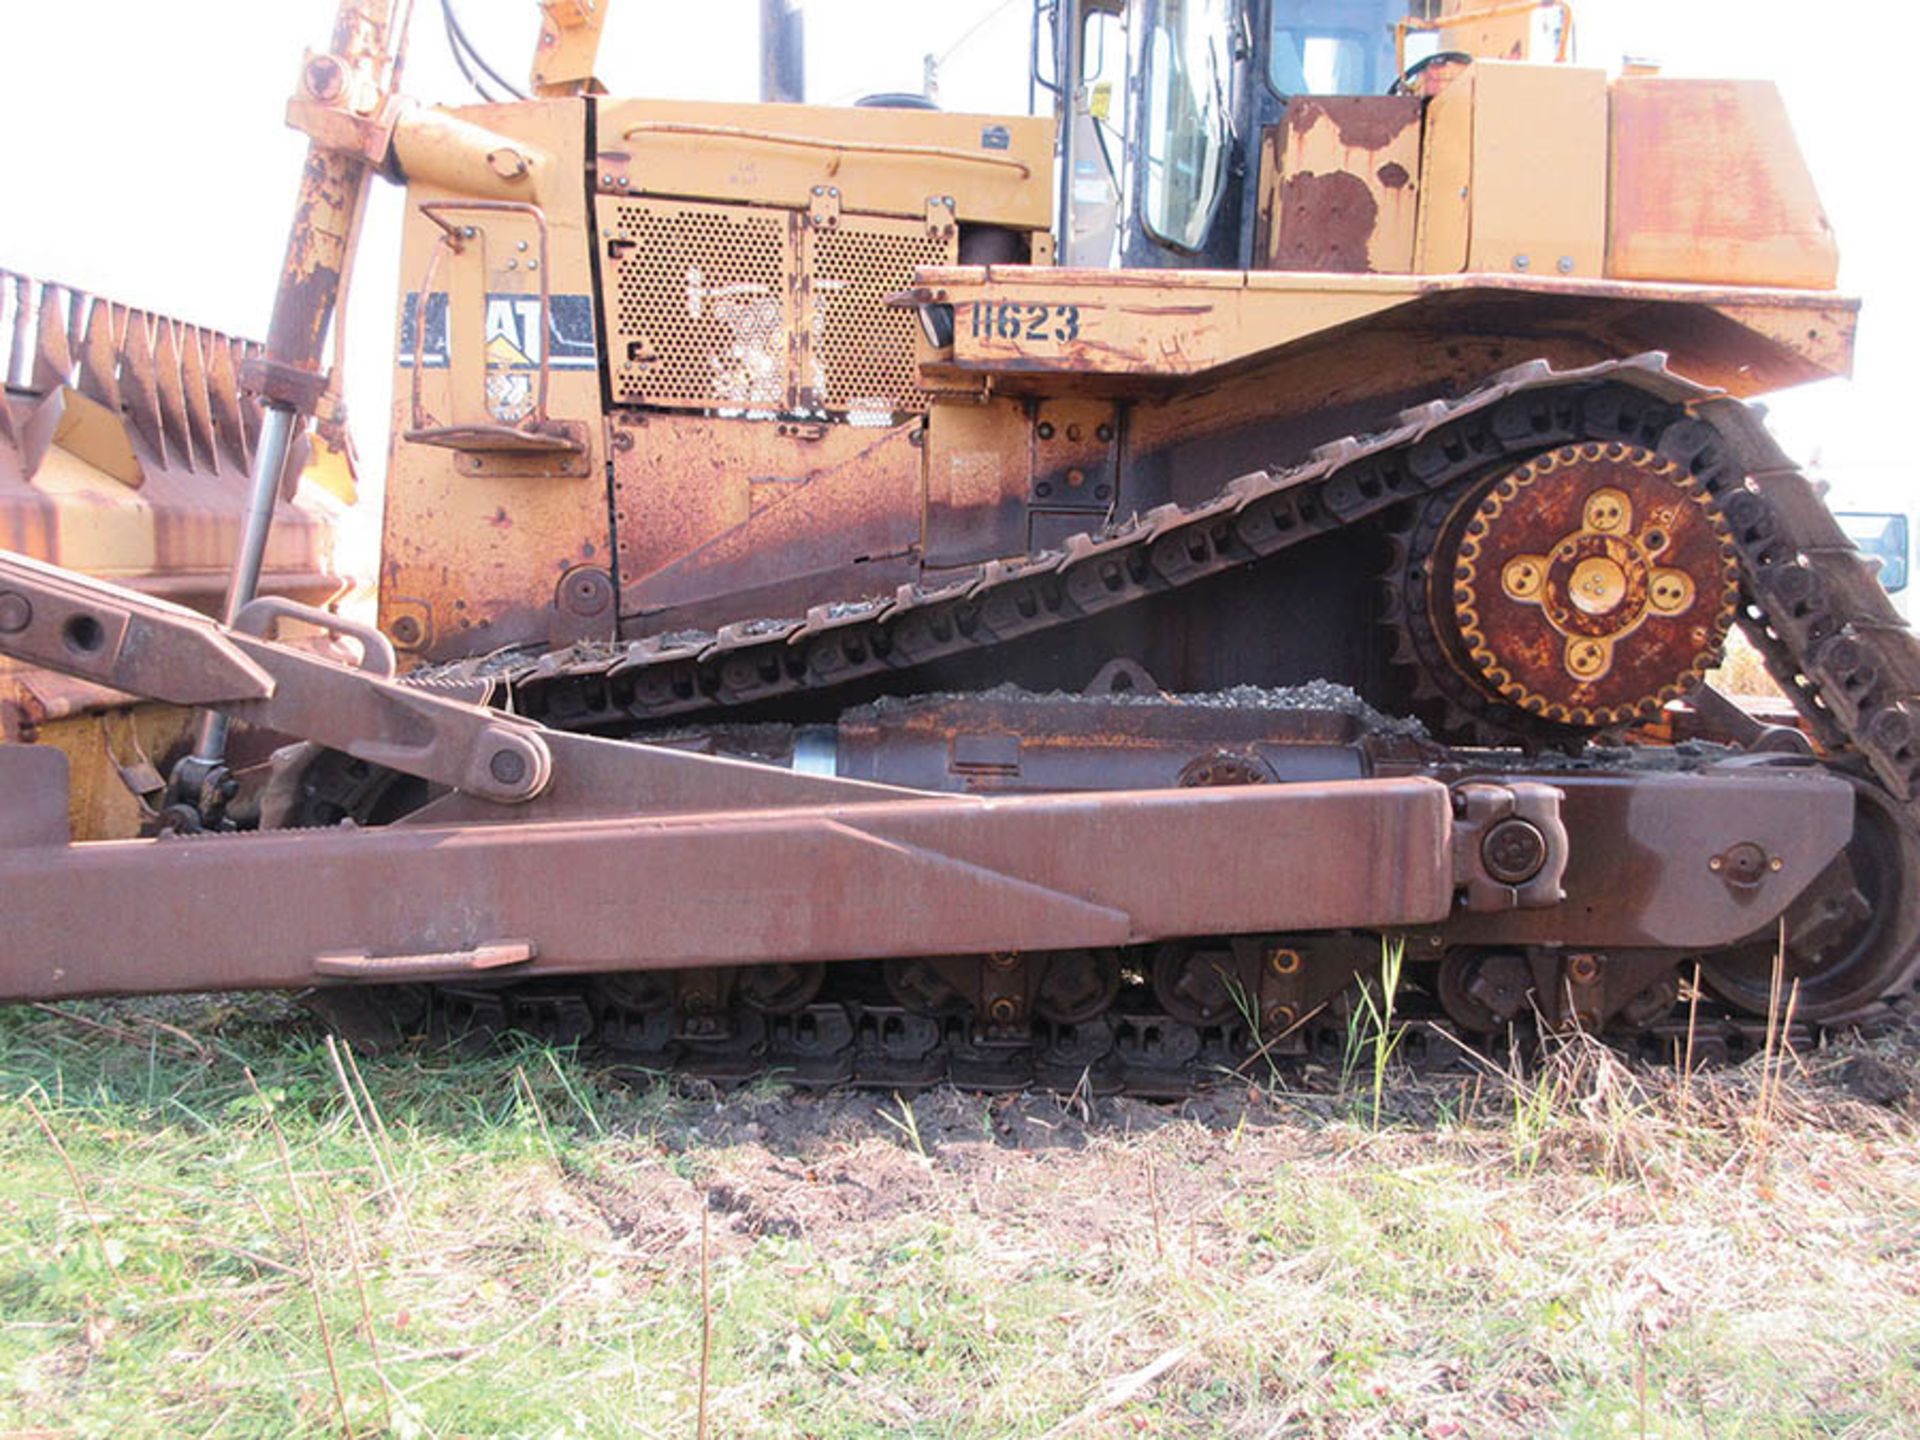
[(512, 1244)]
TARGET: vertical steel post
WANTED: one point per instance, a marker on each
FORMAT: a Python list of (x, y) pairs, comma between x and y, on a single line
[(289, 375), (1067, 62)]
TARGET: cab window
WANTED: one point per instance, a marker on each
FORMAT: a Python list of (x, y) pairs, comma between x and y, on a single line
[(1331, 47), (1186, 124)]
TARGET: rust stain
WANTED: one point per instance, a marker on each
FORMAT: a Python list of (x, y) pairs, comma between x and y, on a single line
[(1393, 175), (1363, 122), (1326, 223)]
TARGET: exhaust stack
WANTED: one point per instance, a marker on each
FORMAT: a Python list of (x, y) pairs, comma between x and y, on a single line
[(783, 52)]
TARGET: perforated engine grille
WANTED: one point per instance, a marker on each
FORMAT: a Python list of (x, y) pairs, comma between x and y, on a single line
[(705, 309), (701, 306), (863, 349)]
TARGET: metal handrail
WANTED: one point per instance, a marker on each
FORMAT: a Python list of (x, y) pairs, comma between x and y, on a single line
[(452, 237)]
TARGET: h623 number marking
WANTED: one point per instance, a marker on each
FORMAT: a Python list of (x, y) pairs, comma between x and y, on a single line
[(1022, 320)]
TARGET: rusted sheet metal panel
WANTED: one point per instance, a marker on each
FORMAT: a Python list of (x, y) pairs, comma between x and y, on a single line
[(953, 875), (1709, 185), (35, 815), (979, 467), (475, 555), (1114, 333), (1339, 181), (767, 518)]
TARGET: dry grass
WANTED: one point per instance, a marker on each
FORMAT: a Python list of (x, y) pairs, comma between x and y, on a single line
[(511, 1244), (1741, 671)]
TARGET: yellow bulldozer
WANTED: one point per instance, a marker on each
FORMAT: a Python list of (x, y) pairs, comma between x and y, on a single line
[(875, 593)]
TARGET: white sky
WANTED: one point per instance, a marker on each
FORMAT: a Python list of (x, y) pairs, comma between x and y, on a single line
[(145, 157)]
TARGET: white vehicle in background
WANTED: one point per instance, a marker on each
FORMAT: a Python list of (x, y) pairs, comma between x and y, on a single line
[(1877, 520)]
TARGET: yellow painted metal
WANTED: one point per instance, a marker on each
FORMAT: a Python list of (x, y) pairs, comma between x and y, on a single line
[(1160, 325), (1149, 329), (1540, 169), (447, 150), (1500, 31), (102, 745), (469, 272), (887, 162), (473, 560), (90, 432), (569, 47), (97, 526), (979, 471), (1444, 225), (1516, 172), (332, 470), (1708, 184)]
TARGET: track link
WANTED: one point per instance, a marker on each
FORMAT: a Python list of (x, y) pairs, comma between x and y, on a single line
[(1133, 1049)]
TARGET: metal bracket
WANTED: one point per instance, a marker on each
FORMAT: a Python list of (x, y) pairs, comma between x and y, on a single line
[(149, 648), (325, 108), (613, 173), (942, 224), (1510, 845), (823, 209), (484, 450)]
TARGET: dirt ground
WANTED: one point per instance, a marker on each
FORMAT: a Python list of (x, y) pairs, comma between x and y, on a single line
[(208, 1225)]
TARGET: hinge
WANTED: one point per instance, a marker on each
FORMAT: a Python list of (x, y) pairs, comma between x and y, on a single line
[(941, 222)]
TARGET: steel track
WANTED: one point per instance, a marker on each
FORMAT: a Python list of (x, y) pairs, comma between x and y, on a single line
[(1133, 1049)]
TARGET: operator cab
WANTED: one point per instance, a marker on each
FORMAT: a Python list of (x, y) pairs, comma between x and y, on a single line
[(1167, 105)]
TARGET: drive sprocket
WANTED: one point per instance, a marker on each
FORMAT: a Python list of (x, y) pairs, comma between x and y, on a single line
[(1577, 591)]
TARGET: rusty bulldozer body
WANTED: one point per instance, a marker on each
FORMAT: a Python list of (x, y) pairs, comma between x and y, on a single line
[(787, 563)]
